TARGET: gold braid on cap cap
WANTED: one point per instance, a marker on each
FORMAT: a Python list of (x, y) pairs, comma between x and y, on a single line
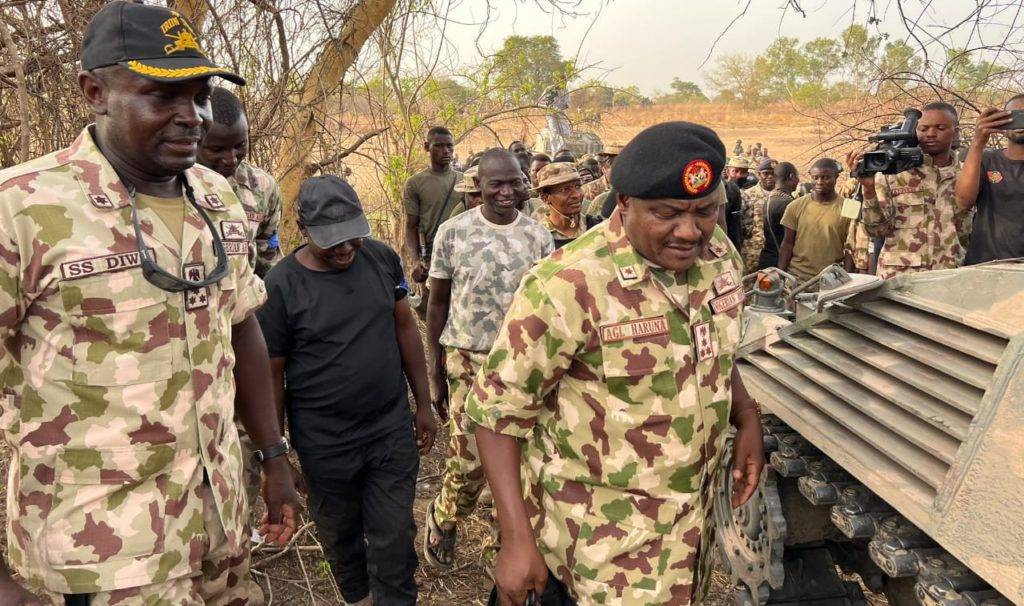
[(163, 72)]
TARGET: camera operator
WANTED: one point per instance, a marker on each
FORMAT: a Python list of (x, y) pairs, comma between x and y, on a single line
[(992, 181), (916, 210)]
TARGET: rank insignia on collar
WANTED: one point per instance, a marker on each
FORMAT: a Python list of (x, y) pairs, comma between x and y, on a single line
[(214, 202), (101, 201), (717, 249), (628, 273)]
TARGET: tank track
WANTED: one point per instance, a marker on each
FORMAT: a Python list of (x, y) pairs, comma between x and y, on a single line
[(906, 555)]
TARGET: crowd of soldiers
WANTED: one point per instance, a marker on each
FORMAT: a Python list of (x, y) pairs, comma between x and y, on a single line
[(582, 317)]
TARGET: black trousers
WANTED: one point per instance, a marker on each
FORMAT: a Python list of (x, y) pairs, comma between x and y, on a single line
[(361, 501)]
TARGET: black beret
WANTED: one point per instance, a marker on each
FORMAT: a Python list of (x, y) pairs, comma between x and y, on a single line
[(679, 160)]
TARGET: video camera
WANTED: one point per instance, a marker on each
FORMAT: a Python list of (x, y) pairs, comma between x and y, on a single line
[(897, 149)]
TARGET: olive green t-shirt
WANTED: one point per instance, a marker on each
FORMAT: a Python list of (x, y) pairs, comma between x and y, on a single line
[(820, 234), (425, 195), (170, 210)]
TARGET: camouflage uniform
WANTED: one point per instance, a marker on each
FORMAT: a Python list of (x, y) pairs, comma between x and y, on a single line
[(596, 187), (616, 375), (118, 397), (485, 264), (922, 225), (754, 201), (261, 199), (858, 246)]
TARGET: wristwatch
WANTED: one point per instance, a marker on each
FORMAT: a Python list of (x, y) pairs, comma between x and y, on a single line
[(281, 448)]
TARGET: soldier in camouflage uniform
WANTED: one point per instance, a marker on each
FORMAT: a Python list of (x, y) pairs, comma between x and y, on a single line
[(117, 376), (562, 210), (224, 149), (916, 210), (478, 259), (606, 158), (603, 407), (755, 200)]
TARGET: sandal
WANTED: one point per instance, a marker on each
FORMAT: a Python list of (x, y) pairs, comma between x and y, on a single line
[(438, 543)]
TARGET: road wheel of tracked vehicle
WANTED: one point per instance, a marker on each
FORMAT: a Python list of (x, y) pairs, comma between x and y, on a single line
[(751, 537)]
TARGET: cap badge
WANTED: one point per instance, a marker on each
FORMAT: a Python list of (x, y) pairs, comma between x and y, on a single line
[(994, 176), (697, 176), (178, 29)]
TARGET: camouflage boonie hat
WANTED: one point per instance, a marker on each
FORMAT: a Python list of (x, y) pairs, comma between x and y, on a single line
[(737, 162), (610, 150), (556, 173), (468, 185)]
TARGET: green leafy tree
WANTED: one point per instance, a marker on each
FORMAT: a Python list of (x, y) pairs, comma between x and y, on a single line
[(526, 65), (682, 91)]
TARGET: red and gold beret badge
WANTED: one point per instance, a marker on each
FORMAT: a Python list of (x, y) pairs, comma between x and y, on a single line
[(697, 177), (994, 176)]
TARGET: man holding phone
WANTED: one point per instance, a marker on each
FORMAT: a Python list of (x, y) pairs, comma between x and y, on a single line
[(992, 181)]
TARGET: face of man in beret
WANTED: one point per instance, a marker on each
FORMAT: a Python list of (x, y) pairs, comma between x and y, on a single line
[(668, 232)]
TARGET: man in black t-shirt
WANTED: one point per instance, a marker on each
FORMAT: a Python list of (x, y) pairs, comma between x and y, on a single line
[(338, 324), (992, 181), (786, 181)]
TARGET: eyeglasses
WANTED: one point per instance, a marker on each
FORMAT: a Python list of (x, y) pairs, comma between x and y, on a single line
[(160, 277)]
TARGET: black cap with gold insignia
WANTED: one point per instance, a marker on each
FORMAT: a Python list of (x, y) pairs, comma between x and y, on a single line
[(151, 41), (679, 160)]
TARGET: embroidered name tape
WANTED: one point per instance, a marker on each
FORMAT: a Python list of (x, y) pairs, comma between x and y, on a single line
[(83, 268), (236, 247), (899, 191), (634, 329), (728, 301)]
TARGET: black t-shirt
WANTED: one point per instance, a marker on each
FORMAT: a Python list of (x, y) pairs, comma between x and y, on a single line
[(774, 232), (734, 213), (345, 384), (999, 223)]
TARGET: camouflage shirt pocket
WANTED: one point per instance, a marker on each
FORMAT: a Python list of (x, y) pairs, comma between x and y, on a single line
[(121, 332), (107, 505), (910, 212)]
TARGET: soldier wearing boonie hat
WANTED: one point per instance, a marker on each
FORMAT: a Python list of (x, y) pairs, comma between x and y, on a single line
[(562, 210), (756, 202), (126, 287), (605, 158), (471, 189), (613, 381)]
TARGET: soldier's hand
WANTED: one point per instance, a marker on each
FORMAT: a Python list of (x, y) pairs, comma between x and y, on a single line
[(426, 429), (519, 568), (747, 458), (15, 595), (419, 272), (867, 182), (439, 389), (282, 518), (989, 122)]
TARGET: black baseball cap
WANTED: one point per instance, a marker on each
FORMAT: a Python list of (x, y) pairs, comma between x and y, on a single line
[(152, 41), (330, 211)]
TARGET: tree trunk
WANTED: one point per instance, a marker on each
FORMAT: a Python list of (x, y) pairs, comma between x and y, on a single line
[(193, 10), (323, 80)]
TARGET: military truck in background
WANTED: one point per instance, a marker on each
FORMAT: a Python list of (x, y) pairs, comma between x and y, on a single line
[(894, 430)]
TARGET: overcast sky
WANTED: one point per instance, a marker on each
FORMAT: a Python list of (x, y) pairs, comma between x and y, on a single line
[(648, 42)]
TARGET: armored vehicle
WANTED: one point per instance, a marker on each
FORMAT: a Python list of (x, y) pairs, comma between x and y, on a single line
[(894, 430), (559, 134)]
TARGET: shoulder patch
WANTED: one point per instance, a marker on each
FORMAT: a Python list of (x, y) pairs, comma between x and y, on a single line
[(232, 230), (994, 176)]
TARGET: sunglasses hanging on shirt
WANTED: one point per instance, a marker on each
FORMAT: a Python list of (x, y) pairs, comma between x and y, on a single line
[(160, 277)]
